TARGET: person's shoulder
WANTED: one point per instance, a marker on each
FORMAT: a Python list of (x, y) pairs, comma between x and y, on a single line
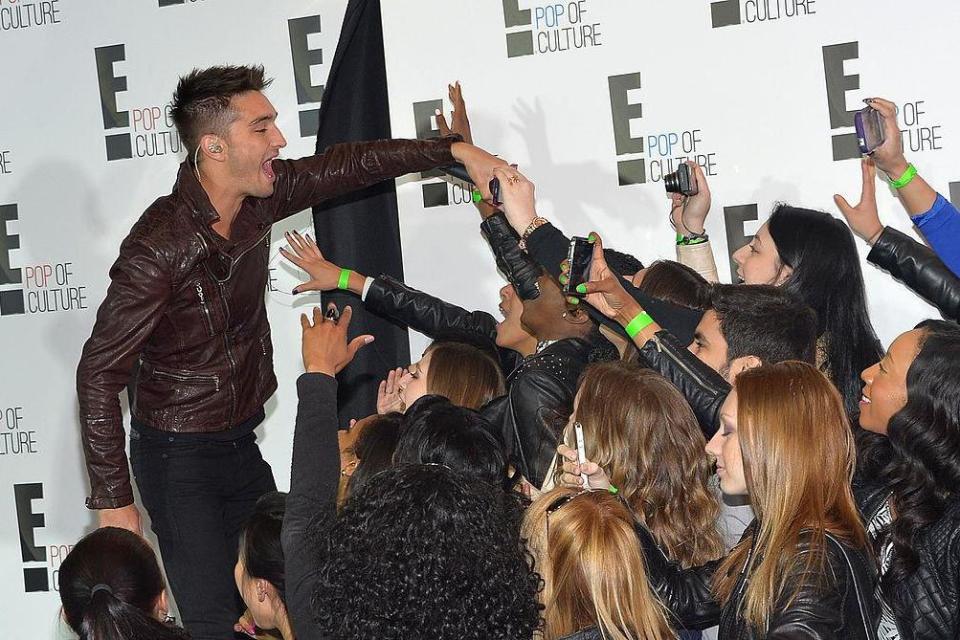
[(161, 225)]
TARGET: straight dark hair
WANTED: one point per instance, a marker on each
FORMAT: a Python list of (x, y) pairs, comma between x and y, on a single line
[(821, 251), (109, 585), (260, 546)]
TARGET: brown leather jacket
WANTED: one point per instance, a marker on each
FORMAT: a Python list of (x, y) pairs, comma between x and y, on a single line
[(184, 321)]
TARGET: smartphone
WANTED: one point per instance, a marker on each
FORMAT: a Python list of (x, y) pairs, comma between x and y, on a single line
[(495, 192), (581, 451), (579, 257), (869, 126)]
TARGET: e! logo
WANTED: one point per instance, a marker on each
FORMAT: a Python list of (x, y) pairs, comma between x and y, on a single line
[(118, 145), (28, 521), (304, 58), (632, 171), (838, 84)]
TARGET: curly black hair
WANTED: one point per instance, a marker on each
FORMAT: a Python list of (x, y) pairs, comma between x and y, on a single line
[(424, 552), (924, 436)]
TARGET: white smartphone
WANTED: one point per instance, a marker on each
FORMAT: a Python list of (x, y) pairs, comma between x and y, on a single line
[(581, 452)]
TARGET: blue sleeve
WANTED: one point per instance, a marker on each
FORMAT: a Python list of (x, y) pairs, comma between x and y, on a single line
[(941, 228)]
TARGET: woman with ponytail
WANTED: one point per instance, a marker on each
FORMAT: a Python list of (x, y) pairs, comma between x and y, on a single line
[(111, 588)]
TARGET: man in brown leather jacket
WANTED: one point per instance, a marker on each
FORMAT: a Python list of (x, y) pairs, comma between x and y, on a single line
[(184, 328)]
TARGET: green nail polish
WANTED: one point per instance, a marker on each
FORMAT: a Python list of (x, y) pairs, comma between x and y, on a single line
[(592, 238), (573, 301), (477, 196), (563, 279), (581, 288)]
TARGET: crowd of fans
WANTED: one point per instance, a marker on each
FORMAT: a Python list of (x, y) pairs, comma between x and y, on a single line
[(753, 463)]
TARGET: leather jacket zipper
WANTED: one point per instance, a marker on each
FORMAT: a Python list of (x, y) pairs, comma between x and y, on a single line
[(215, 380), (205, 308)]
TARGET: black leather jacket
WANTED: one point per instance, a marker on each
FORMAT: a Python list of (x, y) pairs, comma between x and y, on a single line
[(540, 388), (918, 267), (927, 604), (842, 607), (704, 389)]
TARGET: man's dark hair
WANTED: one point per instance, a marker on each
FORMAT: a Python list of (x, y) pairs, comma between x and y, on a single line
[(260, 545), (766, 322), (201, 102)]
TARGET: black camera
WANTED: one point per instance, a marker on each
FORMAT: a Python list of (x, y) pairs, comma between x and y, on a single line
[(683, 180)]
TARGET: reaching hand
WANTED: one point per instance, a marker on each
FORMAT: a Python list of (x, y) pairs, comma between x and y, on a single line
[(304, 252), (605, 291), (889, 155), (519, 203), (479, 164), (458, 117), (388, 395), (325, 347), (572, 468), (863, 218)]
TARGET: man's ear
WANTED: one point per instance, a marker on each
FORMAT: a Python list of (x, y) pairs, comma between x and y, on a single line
[(741, 364), (213, 147)]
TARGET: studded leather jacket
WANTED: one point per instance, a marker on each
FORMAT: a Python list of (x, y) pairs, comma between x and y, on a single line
[(184, 326)]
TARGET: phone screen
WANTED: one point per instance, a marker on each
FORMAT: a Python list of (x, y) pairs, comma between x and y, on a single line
[(579, 257)]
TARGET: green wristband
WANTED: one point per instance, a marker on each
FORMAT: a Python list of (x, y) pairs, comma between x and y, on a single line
[(906, 178), (344, 282), (640, 322)]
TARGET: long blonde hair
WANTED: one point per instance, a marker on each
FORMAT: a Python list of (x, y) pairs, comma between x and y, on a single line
[(643, 434), (798, 461), (593, 567)]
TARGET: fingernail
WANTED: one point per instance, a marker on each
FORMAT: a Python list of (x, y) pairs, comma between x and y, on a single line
[(572, 300), (296, 291), (581, 288), (592, 237), (563, 279), (368, 340), (437, 112)]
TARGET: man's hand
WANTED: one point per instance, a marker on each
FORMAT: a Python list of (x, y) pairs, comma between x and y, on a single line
[(572, 469), (388, 394), (863, 218), (889, 155), (127, 517), (517, 193), (479, 164), (325, 347), (304, 252), (460, 123)]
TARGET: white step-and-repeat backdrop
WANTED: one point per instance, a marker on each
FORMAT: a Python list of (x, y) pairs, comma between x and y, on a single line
[(595, 99)]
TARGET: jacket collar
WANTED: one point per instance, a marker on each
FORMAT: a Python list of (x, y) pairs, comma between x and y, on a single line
[(192, 193)]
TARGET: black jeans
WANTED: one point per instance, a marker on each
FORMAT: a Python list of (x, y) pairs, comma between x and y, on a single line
[(199, 495)]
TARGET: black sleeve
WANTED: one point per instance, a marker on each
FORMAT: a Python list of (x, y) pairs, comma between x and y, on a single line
[(314, 478), (425, 313), (548, 246), (686, 593), (704, 389), (537, 401), (917, 266)]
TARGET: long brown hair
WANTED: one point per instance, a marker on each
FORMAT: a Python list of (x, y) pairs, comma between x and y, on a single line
[(593, 569), (642, 432), (463, 374), (798, 461)]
